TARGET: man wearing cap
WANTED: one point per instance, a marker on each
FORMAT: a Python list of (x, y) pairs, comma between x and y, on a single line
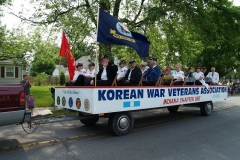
[(133, 75), (85, 79), (107, 74), (80, 70), (144, 67), (151, 76), (122, 70)]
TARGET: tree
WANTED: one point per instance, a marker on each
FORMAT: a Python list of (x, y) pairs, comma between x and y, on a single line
[(15, 46), (45, 53), (62, 79), (41, 79), (180, 31)]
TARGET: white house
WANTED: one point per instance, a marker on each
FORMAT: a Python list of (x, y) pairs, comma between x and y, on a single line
[(59, 68), (11, 72), (84, 60)]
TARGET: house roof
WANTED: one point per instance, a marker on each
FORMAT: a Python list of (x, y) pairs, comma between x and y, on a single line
[(60, 68), (84, 60)]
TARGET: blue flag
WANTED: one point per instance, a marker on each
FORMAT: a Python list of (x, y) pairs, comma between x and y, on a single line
[(112, 31)]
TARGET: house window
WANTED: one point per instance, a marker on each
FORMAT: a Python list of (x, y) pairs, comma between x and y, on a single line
[(9, 72)]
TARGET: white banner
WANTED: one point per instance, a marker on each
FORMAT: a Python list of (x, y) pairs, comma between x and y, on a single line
[(114, 99)]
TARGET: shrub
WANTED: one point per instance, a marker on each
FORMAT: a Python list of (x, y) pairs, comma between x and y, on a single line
[(41, 79), (62, 78)]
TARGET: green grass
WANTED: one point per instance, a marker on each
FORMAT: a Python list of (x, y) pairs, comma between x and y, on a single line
[(42, 95)]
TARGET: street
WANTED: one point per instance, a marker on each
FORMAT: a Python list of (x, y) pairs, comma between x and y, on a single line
[(157, 134)]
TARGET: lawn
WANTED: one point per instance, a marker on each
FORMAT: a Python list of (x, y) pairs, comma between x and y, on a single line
[(42, 95)]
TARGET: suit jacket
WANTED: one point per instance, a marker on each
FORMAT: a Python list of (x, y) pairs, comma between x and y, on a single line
[(111, 72), (189, 74), (152, 74), (135, 75), (205, 74), (215, 77)]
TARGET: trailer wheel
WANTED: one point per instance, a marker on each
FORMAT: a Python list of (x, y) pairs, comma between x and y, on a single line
[(173, 109), (89, 122), (206, 108), (121, 123)]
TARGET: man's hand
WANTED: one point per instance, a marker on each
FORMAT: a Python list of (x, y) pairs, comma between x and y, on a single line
[(91, 83), (127, 81)]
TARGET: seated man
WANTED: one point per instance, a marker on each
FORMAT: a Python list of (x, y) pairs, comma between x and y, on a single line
[(107, 74), (214, 76), (85, 79), (151, 76), (189, 72), (198, 75), (122, 70), (144, 67), (133, 75), (204, 70), (178, 75), (167, 72), (79, 71)]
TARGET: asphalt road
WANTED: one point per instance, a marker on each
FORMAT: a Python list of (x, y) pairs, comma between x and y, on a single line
[(157, 135)]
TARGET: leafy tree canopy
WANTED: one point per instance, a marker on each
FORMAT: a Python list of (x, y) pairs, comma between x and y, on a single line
[(204, 32)]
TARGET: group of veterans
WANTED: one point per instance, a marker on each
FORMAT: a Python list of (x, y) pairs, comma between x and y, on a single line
[(130, 76)]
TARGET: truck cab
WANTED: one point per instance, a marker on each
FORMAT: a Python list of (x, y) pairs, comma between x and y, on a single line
[(12, 104)]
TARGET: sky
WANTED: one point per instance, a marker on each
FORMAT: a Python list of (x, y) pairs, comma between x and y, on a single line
[(13, 22)]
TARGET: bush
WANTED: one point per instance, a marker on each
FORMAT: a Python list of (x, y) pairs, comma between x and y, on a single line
[(62, 78), (41, 79)]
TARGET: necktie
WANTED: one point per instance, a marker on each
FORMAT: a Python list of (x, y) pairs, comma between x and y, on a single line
[(212, 74)]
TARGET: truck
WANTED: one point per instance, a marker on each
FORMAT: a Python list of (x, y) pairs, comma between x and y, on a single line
[(118, 102), (13, 105)]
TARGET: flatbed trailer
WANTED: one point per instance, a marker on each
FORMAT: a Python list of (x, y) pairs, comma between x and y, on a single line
[(117, 102)]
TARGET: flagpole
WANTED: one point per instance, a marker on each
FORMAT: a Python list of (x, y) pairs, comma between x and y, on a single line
[(97, 50), (59, 70)]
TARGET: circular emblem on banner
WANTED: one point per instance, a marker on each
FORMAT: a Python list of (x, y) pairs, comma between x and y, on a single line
[(121, 28), (63, 101), (70, 102), (78, 103), (58, 100), (86, 104)]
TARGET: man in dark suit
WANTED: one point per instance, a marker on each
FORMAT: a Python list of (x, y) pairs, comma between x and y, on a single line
[(151, 76), (204, 70), (132, 76), (106, 74)]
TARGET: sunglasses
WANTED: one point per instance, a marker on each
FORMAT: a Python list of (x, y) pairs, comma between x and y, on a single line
[(198, 68)]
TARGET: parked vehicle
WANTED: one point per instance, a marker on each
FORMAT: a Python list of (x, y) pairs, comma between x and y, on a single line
[(12, 105)]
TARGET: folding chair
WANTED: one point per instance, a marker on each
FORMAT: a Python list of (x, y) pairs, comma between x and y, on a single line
[(159, 81), (140, 82), (208, 80), (168, 78), (114, 83), (184, 82), (190, 79)]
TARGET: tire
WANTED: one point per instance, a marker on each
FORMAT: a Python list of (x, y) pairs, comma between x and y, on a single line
[(121, 123), (89, 122), (110, 121), (173, 109), (70, 110), (206, 108)]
